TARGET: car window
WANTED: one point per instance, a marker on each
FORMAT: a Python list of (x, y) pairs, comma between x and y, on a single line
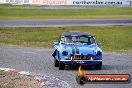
[(78, 39), (91, 40)]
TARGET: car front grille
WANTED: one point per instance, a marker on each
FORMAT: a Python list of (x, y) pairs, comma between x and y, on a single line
[(81, 57)]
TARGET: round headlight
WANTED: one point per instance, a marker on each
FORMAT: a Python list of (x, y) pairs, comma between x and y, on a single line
[(64, 53), (98, 53)]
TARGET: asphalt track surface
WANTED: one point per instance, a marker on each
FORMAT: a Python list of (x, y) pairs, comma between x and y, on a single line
[(64, 22), (40, 61)]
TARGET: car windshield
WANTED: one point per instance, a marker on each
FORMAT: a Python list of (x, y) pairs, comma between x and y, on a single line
[(77, 39)]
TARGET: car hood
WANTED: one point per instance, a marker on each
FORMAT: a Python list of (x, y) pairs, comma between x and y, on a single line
[(80, 49)]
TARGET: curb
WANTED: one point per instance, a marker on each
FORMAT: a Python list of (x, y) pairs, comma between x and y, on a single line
[(29, 74)]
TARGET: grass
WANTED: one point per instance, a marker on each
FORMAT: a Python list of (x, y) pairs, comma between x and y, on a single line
[(39, 12), (113, 38)]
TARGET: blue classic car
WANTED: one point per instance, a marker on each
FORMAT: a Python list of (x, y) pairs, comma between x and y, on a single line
[(77, 48)]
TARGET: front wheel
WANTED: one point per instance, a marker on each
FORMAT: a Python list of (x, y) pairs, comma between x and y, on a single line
[(98, 67), (61, 65)]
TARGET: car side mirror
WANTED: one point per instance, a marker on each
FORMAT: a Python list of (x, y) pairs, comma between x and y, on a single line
[(98, 44), (56, 43)]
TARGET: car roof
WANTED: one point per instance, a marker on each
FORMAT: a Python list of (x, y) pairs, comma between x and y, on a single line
[(76, 34)]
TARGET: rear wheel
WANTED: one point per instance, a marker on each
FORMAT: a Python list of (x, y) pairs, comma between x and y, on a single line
[(56, 62), (61, 65), (98, 66)]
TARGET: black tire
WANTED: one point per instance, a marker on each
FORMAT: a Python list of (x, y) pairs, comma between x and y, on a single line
[(98, 67), (56, 62), (61, 65)]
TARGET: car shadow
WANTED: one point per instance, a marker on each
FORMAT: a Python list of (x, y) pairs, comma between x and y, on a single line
[(73, 68)]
